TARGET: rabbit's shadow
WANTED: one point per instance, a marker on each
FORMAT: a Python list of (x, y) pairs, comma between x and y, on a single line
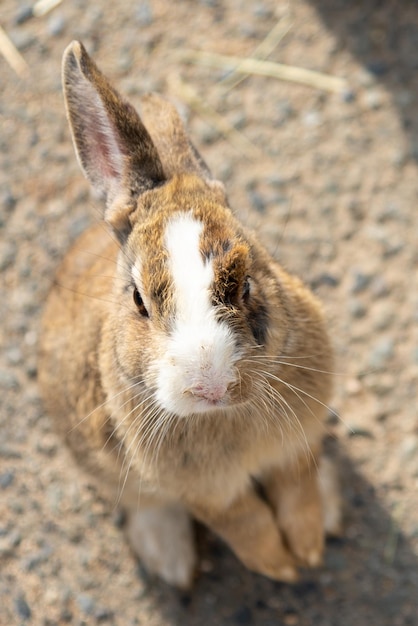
[(370, 576), (384, 37)]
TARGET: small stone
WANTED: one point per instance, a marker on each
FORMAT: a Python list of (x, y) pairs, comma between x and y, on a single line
[(21, 39), (48, 446), (22, 607), (384, 316), (377, 68), (358, 431), (284, 112), (125, 61), (8, 543), (8, 201), (332, 417), (86, 603), (257, 200), (7, 254), (348, 96), (32, 562), (262, 11), (379, 287), (357, 309), (409, 448), (353, 386), (56, 25), (143, 13), (102, 614), (8, 380), (361, 281), (14, 356), (6, 479), (399, 157), (31, 369), (392, 248), (356, 209), (24, 14), (382, 353), (373, 99), (312, 119), (9, 453), (390, 212), (325, 279)]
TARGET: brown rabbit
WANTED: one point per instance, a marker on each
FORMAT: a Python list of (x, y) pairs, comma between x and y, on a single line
[(186, 370)]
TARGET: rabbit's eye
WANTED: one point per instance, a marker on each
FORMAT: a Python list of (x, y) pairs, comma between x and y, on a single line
[(246, 290), (140, 303)]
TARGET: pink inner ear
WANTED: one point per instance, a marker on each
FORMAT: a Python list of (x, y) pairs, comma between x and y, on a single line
[(102, 155), (96, 139)]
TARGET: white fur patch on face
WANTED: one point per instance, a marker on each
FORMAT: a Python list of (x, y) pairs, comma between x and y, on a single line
[(201, 352)]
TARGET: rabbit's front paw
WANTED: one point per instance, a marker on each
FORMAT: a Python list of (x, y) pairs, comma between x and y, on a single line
[(163, 540)]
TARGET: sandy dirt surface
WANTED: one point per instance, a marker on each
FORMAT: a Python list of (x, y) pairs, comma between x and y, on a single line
[(330, 182)]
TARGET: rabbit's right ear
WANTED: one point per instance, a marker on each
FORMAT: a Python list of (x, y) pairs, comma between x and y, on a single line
[(113, 147)]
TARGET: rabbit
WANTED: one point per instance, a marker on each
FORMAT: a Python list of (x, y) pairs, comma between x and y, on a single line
[(186, 370)]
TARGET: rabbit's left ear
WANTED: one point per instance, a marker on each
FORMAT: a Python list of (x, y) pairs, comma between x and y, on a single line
[(114, 149)]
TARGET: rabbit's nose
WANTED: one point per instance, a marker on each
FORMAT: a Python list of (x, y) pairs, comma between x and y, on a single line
[(213, 392)]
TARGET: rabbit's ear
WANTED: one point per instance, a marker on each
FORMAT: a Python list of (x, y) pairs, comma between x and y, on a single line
[(114, 149), (178, 154)]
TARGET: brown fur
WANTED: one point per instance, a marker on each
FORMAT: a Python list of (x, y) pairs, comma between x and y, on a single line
[(95, 345)]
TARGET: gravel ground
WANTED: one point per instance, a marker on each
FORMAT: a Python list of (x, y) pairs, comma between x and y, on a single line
[(330, 183)]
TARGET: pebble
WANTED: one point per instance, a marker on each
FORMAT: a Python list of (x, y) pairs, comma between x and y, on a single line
[(383, 316), (7, 254), (25, 12), (312, 119), (8, 380), (14, 356), (22, 607), (257, 201), (392, 248), (102, 614), (56, 24), (373, 99), (86, 603), (33, 561), (9, 453), (21, 39), (358, 431), (348, 96), (325, 279), (208, 134), (8, 543), (284, 112), (48, 446), (390, 212), (409, 448), (360, 282), (379, 287), (7, 200), (357, 308), (143, 14), (377, 68), (6, 479), (356, 209), (382, 352)]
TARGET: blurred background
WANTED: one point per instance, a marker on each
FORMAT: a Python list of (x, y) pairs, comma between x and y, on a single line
[(323, 164)]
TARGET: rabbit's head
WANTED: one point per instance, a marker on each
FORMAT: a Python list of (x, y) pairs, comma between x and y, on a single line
[(195, 296)]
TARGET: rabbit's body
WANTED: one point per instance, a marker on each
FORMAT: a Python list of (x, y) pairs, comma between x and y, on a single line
[(181, 362)]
